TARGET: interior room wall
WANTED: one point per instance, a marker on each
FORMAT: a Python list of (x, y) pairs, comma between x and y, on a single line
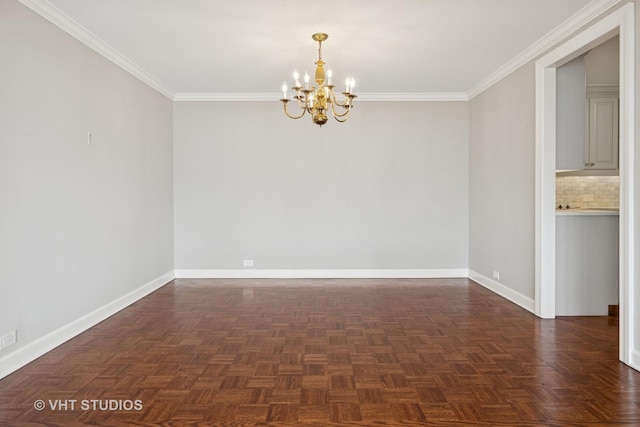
[(386, 190), (82, 225), (502, 181), (406, 185), (602, 63)]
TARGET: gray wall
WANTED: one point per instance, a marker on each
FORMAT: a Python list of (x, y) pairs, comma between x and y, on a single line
[(386, 190), (502, 181), (571, 101), (603, 63), (81, 225)]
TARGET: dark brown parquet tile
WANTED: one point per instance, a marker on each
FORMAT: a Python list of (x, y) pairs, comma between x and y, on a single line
[(330, 353)]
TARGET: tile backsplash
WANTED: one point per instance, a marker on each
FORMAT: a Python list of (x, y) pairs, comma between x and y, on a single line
[(588, 191)]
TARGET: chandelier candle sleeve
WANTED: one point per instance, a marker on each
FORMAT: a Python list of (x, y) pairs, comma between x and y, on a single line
[(320, 100)]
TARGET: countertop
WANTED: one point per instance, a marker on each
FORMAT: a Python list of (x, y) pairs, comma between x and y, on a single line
[(587, 211)]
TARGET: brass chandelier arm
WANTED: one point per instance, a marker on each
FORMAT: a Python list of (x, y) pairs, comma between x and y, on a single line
[(334, 99), (284, 103), (301, 100), (336, 114)]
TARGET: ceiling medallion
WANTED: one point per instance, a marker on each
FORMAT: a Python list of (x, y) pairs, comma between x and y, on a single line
[(318, 100)]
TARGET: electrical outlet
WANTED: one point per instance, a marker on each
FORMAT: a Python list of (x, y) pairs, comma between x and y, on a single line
[(247, 263), (495, 275), (8, 339)]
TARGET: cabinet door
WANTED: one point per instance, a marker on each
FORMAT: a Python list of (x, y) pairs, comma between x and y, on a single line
[(603, 133)]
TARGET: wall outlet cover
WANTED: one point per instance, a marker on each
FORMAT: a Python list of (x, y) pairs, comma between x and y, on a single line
[(8, 339)]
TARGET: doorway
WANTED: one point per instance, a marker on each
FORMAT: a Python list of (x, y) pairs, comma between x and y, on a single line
[(587, 182), (619, 22)]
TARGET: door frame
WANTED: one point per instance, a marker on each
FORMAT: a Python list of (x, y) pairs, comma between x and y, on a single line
[(621, 22)]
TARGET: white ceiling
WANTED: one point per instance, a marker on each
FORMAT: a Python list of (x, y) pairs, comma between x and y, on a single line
[(252, 46)]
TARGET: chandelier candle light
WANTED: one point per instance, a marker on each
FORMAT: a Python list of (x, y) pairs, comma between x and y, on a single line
[(317, 100)]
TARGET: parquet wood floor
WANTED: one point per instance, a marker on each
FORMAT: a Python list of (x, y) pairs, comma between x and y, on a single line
[(329, 353)]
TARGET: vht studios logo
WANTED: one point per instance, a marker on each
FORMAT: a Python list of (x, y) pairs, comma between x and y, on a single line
[(89, 405)]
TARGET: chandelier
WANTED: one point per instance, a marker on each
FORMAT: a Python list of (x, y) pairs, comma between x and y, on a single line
[(318, 100)]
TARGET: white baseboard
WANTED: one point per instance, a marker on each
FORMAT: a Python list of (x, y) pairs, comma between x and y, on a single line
[(31, 351), (504, 291), (322, 274), (635, 359)]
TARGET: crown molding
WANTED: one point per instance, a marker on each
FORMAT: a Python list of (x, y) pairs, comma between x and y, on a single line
[(561, 32), (417, 97), (65, 23), (70, 26), (366, 97), (228, 97), (603, 90)]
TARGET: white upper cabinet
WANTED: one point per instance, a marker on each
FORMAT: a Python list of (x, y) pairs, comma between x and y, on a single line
[(587, 93), (602, 146)]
